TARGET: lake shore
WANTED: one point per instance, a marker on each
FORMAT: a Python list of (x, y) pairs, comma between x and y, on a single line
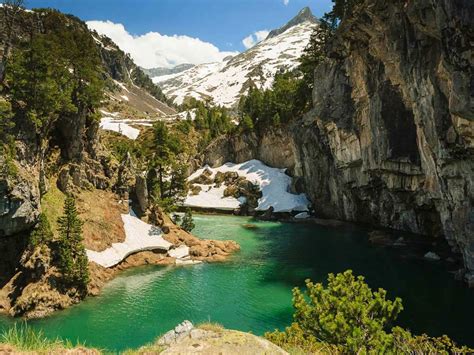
[(39, 299)]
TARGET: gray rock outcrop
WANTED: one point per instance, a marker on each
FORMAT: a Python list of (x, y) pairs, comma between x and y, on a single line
[(390, 139)]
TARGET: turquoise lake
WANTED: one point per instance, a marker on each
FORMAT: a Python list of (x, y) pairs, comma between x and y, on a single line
[(252, 291)]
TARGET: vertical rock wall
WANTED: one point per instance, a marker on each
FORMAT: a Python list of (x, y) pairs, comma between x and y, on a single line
[(390, 140)]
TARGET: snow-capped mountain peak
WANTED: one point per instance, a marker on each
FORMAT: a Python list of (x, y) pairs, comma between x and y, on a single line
[(305, 15), (223, 83)]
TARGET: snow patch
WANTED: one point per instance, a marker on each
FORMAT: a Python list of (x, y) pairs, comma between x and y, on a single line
[(139, 236), (112, 124), (273, 182), (302, 215), (180, 252), (122, 86)]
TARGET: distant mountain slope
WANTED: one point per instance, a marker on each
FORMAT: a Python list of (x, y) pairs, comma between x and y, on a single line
[(129, 84), (223, 83), (160, 71)]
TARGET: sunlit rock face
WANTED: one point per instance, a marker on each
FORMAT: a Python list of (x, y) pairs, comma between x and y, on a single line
[(390, 139)]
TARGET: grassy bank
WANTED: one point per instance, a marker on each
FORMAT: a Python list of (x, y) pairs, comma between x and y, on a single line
[(21, 338)]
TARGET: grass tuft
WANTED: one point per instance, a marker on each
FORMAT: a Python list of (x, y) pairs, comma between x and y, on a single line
[(211, 326), (24, 338)]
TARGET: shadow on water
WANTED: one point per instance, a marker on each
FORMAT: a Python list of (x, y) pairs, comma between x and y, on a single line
[(434, 302)]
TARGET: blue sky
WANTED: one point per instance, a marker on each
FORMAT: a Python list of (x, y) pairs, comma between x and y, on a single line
[(221, 22), (165, 33)]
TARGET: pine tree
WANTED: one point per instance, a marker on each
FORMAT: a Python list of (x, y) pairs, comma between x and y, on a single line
[(42, 234), (11, 10), (188, 117), (346, 313), (188, 223), (72, 254), (246, 124), (178, 182), (276, 120)]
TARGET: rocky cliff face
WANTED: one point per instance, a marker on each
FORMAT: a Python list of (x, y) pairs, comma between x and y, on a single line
[(390, 139), (274, 147), (81, 162), (393, 143)]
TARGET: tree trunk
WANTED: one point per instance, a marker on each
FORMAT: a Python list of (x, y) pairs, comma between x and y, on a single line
[(161, 181)]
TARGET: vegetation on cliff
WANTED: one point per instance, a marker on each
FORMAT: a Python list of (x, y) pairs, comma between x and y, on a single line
[(282, 103), (209, 121), (53, 74), (42, 234)]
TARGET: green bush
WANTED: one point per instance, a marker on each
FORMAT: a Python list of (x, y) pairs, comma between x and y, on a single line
[(406, 343), (347, 316), (188, 223), (42, 234)]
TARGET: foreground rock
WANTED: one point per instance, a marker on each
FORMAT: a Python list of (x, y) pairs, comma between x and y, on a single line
[(38, 288), (213, 339)]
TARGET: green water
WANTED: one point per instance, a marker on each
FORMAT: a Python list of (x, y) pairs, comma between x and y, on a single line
[(252, 292)]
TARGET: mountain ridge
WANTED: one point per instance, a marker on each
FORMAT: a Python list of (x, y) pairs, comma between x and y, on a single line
[(223, 83), (160, 71), (305, 14)]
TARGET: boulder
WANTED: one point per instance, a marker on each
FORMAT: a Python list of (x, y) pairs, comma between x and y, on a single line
[(230, 177), (219, 178), (179, 252), (179, 332), (204, 178), (232, 191), (195, 189), (141, 192), (432, 256), (155, 216)]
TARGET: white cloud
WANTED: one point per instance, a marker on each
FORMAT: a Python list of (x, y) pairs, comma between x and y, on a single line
[(286, 2), (254, 38), (156, 50)]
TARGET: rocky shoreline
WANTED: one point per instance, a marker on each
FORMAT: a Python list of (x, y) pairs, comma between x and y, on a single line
[(33, 297), (407, 245)]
